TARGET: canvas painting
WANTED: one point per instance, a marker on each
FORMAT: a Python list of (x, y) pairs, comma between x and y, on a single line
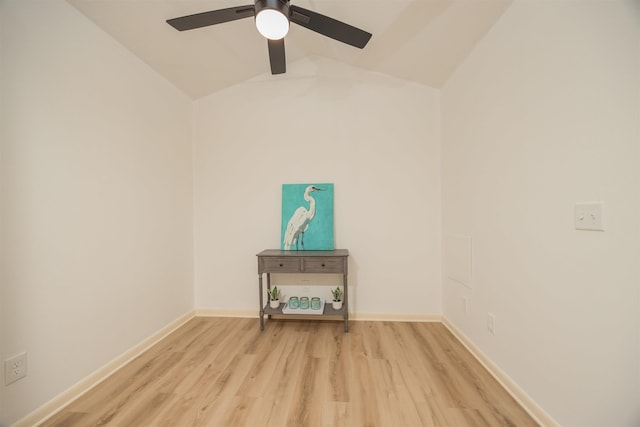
[(307, 217)]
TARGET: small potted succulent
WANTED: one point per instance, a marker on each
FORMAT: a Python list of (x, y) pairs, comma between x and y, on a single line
[(337, 298), (274, 297)]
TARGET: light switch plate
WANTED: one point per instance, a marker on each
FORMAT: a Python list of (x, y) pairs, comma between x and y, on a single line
[(589, 216)]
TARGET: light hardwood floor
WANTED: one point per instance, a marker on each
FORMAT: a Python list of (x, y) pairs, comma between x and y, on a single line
[(225, 372)]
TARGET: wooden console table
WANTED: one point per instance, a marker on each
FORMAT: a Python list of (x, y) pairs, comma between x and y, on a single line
[(277, 261)]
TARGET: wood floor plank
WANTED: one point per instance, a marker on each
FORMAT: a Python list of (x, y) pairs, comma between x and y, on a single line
[(226, 372)]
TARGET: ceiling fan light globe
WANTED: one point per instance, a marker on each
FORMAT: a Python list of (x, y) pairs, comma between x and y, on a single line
[(272, 24)]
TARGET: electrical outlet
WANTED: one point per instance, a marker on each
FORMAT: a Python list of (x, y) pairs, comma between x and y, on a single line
[(589, 216), (15, 368), (491, 323)]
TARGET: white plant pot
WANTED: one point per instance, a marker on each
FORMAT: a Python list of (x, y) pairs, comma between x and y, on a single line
[(337, 305), (274, 303)]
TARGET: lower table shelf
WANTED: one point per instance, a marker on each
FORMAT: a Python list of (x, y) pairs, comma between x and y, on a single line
[(326, 311)]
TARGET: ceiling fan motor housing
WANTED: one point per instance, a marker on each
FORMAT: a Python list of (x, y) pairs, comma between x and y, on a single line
[(279, 5)]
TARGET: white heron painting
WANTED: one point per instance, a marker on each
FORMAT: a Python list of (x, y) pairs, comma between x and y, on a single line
[(307, 217)]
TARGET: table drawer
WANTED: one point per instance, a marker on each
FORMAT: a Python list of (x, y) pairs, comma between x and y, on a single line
[(281, 264), (323, 265)]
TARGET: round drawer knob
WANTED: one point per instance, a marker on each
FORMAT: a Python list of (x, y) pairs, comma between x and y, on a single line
[(322, 265), (280, 265)]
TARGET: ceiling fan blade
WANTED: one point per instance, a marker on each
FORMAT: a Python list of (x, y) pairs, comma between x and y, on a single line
[(213, 17), (276, 56), (329, 27)]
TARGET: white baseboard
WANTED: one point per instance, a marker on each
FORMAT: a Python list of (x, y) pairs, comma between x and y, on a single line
[(224, 312), (380, 317), (529, 405), (50, 408), (396, 317)]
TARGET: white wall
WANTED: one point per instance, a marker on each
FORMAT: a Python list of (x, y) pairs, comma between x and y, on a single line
[(96, 217), (542, 115), (374, 137)]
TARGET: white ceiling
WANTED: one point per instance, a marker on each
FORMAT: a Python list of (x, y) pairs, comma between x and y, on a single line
[(421, 41)]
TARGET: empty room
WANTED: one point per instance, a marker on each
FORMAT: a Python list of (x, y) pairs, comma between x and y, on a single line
[(445, 193)]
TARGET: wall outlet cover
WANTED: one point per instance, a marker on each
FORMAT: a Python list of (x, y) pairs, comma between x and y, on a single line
[(589, 216), (491, 323), (15, 368)]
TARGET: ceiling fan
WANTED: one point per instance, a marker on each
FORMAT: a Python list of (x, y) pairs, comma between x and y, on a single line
[(272, 20)]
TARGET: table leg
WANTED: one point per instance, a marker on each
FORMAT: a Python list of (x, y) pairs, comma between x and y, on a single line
[(346, 303), (269, 291), (261, 303)]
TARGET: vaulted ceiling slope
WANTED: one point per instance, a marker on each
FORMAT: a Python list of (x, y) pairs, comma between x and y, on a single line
[(421, 41)]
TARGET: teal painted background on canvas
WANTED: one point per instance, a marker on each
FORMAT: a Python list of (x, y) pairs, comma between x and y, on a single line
[(319, 234)]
